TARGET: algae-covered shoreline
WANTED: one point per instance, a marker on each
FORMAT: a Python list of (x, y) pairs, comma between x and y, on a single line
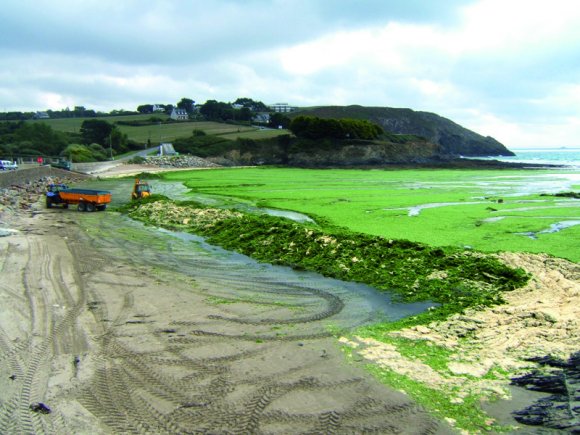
[(454, 278), (471, 371), (476, 291), (176, 311), (487, 210)]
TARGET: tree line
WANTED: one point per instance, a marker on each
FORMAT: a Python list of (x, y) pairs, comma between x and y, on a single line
[(216, 110), (312, 127), (97, 140)]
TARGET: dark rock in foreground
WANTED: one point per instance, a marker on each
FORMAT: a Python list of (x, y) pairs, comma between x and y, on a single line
[(561, 410)]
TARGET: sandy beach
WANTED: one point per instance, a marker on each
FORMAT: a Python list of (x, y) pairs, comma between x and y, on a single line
[(103, 334), (113, 330)]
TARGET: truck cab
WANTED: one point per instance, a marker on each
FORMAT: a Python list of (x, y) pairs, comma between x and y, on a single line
[(52, 197)]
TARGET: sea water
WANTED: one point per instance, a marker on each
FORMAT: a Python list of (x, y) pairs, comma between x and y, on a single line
[(569, 157)]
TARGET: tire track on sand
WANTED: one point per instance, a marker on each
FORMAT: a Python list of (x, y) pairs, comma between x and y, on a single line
[(190, 365), (52, 310), (166, 354)]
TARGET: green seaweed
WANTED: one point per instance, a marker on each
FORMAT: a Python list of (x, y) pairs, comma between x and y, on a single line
[(483, 209), (467, 414), (454, 278)]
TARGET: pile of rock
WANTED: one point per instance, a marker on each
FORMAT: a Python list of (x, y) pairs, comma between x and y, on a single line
[(24, 196), (185, 161)]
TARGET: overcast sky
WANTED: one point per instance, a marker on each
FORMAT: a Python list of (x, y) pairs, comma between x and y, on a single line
[(504, 68)]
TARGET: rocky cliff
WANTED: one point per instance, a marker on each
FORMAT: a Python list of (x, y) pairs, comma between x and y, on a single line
[(333, 154), (376, 154), (454, 139)]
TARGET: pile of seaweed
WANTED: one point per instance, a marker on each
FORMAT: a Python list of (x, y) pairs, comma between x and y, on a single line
[(560, 410), (454, 278)]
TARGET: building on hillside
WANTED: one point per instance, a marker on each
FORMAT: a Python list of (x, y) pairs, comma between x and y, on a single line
[(158, 108), (179, 114), (261, 118), (41, 115), (166, 149), (282, 108)]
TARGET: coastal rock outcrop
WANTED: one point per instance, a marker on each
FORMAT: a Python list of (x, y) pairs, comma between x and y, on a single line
[(366, 155), (454, 139), (340, 154)]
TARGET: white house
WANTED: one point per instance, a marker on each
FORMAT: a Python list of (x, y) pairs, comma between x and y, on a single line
[(262, 118), (282, 108), (41, 115), (179, 114)]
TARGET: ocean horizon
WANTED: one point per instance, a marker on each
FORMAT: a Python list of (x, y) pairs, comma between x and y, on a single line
[(569, 157)]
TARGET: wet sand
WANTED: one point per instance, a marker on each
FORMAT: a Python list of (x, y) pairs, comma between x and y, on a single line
[(117, 329), (114, 338)]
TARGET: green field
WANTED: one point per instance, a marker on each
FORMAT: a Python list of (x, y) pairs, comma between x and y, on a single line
[(167, 132), (488, 210), (73, 125)]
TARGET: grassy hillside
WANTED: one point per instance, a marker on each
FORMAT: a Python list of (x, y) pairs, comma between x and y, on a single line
[(166, 132)]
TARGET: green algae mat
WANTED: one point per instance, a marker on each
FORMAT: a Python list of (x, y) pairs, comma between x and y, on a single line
[(487, 210), (404, 232)]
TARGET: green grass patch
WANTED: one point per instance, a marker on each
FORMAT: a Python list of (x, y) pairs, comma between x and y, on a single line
[(164, 132), (261, 134), (467, 414)]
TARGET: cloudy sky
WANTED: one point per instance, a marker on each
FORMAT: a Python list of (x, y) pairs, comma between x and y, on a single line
[(505, 68)]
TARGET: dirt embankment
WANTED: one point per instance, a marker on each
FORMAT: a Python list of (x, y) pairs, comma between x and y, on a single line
[(18, 179), (542, 318), (539, 320)]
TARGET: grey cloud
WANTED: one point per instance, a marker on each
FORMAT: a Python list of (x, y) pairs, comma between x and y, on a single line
[(97, 52), (164, 31)]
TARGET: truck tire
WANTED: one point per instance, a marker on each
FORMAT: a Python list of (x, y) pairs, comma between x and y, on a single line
[(101, 207), (82, 206), (48, 202), (90, 206)]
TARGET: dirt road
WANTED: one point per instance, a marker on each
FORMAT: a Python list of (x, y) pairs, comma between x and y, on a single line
[(116, 328)]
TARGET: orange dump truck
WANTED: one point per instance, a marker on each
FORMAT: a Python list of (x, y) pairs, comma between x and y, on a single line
[(85, 199)]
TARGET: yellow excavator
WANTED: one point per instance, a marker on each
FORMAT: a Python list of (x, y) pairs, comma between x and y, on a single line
[(141, 189)]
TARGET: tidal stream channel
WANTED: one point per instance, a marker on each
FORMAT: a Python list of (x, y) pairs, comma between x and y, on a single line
[(251, 342), (199, 338), (236, 277)]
